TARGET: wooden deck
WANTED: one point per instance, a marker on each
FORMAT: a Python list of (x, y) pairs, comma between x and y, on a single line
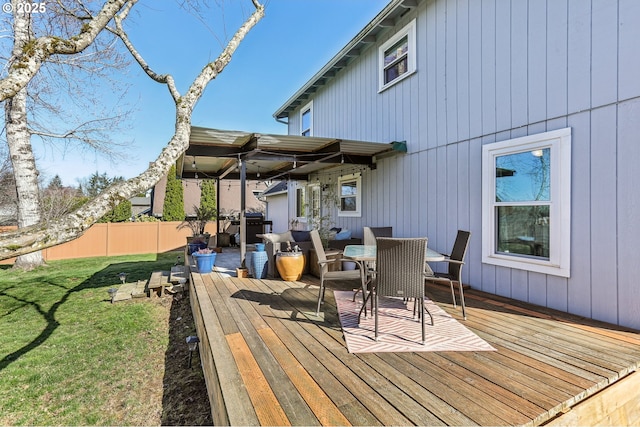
[(268, 360)]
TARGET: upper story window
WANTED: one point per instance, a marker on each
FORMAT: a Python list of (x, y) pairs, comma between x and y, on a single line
[(349, 195), (306, 120), (397, 57), (526, 203)]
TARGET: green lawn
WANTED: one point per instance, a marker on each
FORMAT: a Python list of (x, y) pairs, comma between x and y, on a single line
[(70, 357)]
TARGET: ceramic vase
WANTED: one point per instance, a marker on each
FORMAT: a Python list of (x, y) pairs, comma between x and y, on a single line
[(290, 265)]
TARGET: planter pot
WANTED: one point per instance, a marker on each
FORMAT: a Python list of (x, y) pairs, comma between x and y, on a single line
[(348, 265), (290, 265), (259, 264), (205, 262), (223, 239)]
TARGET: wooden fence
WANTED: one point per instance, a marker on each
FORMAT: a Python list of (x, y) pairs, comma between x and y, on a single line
[(124, 238)]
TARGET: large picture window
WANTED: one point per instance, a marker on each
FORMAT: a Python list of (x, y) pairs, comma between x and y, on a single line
[(527, 202), (398, 56), (349, 195)]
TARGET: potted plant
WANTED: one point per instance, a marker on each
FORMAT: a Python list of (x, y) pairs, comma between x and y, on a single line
[(199, 239), (223, 237), (205, 259)]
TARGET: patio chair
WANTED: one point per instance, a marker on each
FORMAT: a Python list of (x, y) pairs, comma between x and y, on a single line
[(325, 274), (400, 272), (369, 235), (454, 273)]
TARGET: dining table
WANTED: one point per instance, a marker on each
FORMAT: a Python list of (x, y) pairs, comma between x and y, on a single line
[(364, 254)]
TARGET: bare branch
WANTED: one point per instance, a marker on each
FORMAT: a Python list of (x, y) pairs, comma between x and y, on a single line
[(24, 67), (160, 78)]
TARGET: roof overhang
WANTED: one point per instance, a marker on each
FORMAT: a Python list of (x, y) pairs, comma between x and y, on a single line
[(387, 18), (214, 153)]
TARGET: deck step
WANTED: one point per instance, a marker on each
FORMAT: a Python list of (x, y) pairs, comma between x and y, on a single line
[(139, 291), (127, 291), (158, 282), (124, 292)]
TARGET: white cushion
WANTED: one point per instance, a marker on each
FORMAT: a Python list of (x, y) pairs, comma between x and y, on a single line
[(277, 237)]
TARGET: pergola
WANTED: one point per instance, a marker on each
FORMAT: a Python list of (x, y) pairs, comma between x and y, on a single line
[(224, 154)]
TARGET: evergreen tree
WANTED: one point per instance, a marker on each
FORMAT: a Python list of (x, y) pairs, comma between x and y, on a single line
[(208, 195), (120, 213), (173, 209), (55, 183)]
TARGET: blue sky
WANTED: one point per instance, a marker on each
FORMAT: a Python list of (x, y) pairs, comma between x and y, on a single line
[(288, 46)]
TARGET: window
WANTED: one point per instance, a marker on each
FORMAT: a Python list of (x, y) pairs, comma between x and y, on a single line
[(301, 202), (306, 120), (314, 201), (349, 195), (398, 57), (526, 203)]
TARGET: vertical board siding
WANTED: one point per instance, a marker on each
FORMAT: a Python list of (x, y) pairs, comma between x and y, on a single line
[(628, 159), (604, 61), (557, 58), (603, 214), (580, 282), (489, 71), (628, 49)]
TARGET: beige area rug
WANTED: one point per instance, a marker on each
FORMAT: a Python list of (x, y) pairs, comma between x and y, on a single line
[(399, 331)]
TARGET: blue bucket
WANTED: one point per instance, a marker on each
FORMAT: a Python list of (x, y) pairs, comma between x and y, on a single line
[(259, 247), (205, 262)]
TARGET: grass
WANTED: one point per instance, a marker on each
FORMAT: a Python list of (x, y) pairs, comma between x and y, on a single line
[(70, 357)]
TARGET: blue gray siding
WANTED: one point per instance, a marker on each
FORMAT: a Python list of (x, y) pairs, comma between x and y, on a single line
[(492, 70)]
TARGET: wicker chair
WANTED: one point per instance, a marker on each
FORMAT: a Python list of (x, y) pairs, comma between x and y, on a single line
[(400, 272), (454, 273), (325, 274), (369, 235)]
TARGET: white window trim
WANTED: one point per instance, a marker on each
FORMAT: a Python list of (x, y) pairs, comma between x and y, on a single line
[(358, 179), (308, 106), (410, 31), (558, 264)]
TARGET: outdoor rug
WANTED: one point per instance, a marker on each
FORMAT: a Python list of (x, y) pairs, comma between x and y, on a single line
[(398, 331)]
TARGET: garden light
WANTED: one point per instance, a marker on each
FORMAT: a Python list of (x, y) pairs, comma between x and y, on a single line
[(192, 342), (112, 293)]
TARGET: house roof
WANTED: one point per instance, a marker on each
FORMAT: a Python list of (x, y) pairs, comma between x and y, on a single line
[(366, 37), (215, 153), (278, 187)]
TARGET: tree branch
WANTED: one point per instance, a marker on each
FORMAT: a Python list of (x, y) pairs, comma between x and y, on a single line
[(70, 227), (26, 66), (160, 78)]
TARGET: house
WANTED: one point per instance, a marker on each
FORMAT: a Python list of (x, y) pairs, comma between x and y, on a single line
[(140, 205), (276, 202), (521, 123), (228, 195)]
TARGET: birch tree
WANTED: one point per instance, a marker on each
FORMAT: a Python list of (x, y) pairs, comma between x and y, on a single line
[(29, 55)]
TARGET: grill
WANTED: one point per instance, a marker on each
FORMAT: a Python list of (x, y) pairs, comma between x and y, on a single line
[(256, 224)]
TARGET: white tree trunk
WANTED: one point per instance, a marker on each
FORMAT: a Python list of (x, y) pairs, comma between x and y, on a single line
[(20, 152)]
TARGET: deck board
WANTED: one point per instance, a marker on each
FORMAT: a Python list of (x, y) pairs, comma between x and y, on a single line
[(271, 353)]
